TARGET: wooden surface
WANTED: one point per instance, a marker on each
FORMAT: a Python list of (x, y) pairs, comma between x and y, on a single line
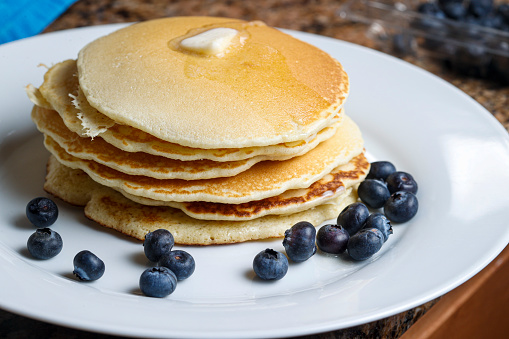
[(319, 17), (478, 308)]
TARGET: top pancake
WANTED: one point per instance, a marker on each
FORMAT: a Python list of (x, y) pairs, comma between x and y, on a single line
[(270, 89), (60, 92)]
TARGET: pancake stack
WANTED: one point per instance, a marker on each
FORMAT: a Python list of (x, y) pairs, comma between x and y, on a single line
[(219, 130)]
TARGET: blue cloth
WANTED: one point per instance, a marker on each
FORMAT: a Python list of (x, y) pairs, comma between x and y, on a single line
[(24, 18)]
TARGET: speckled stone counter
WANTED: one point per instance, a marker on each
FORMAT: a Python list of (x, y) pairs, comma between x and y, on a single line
[(319, 17)]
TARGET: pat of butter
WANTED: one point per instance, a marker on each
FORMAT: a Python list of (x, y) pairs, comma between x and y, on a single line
[(211, 42)]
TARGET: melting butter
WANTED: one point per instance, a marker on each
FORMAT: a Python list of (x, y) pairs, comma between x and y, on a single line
[(258, 74), (212, 42)]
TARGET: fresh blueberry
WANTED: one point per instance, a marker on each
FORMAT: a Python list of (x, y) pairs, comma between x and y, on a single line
[(473, 60), (179, 262), (471, 21), (380, 170), (448, 52), (157, 244), (158, 282), (374, 193), (495, 21), (480, 8), (42, 212), (432, 9), (503, 11), (353, 217), (442, 3), (403, 44), (87, 266), (401, 207), (365, 243), (380, 222), (432, 23), (401, 181), (454, 10), (44, 243), (332, 239), (299, 241), (270, 265)]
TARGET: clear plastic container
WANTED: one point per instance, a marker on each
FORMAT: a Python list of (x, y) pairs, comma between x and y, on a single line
[(398, 28)]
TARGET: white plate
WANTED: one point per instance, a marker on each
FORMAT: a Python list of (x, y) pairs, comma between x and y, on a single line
[(455, 149)]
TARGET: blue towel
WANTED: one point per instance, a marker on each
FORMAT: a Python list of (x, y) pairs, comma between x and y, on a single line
[(24, 18)]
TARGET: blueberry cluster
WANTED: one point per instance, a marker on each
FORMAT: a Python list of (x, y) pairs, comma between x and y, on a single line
[(364, 233), (172, 265), (358, 232), (461, 40), (46, 243), (393, 190)]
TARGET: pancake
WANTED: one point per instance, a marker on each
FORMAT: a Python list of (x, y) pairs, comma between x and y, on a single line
[(131, 139), (337, 183), (110, 209), (263, 180), (60, 91), (137, 163), (268, 88), (36, 97)]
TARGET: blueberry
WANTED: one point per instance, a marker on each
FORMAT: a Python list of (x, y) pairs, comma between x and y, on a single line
[(87, 266), (42, 212), (473, 60), (157, 244), (401, 207), (158, 282), (432, 9), (401, 181), (380, 222), (495, 21), (44, 243), (448, 52), (403, 44), (179, 262), (299, 241), (381, 170), (503, 11), (442, 3), (454, 10), (374, 193), (432, 23), (365, 243), (353, 217), (480, 8), (270, 265), (332, 239)]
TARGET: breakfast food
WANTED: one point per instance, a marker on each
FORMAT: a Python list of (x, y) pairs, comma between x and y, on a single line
[(270, 265), (88, 266), (41, 212), (158, 282), (44, 243), (218, 130)]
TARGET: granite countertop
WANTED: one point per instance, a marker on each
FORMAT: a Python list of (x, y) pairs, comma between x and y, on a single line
[(313, 16)]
